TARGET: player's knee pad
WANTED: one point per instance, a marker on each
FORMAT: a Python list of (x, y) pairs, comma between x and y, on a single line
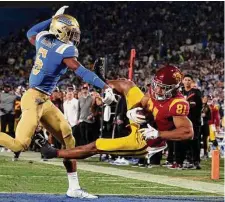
[(69, 141), (65, 129)]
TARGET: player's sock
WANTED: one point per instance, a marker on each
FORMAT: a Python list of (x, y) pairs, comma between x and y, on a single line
[(73, 181)]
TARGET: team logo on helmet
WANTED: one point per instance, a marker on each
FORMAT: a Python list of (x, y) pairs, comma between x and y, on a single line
[(177, 76), (65, 20)]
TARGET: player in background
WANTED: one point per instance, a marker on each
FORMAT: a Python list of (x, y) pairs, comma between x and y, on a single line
[(56, 50), (214, 122), (163, 101), (194, 97)]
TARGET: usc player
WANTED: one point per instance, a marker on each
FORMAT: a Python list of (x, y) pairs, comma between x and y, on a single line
[(163, 102)]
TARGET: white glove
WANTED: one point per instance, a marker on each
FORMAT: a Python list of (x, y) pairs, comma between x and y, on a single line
[(109, 96), (149, 133), (60, 11), (135, 117)]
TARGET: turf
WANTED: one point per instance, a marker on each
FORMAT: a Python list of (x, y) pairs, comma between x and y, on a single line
[(26, 177), (199, 175)]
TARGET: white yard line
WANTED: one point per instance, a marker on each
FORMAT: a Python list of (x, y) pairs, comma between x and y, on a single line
[(161, 179)]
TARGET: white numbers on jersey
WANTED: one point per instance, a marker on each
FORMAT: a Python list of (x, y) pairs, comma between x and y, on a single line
[(38, 64)]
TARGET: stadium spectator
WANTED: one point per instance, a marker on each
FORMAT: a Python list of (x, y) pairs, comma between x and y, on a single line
[(193, 96), (161, 32), (7, 112), (85, 115), (206, 116), (70, 107)]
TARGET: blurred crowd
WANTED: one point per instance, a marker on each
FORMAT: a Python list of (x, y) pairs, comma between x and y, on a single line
[(186, 34)]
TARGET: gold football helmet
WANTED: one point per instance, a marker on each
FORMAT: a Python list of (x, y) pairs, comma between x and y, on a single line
[(66, 29)]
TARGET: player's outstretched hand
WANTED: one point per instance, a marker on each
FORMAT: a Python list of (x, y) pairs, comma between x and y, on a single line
[(135, 116), (46, 150), (149, 133), (49, 152), (61, 11), (109, 96)]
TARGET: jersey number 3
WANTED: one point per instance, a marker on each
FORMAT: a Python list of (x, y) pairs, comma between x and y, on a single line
[(41, 54)]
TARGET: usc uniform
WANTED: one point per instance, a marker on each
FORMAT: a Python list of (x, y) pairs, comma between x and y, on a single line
[(214, 122), (35, 103), (163, 112)]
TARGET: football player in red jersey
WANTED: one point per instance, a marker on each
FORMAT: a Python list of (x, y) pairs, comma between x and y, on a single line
[(163, 101)]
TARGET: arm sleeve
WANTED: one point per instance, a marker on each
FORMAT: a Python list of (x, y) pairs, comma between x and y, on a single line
[(38, 28), (89, 77)]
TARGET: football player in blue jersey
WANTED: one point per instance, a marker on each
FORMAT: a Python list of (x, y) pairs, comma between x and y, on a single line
[(56, 50)]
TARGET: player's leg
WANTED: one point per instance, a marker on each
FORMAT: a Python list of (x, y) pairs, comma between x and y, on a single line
[(31, 112), (212, 135), (121, 86), (133, 142), (126, 145), (53, 120)]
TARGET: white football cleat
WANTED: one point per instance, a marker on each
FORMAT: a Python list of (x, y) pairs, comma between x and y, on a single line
[(79, 193)]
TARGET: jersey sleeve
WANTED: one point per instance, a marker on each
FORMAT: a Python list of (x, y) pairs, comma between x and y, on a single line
[(179, 107), (70, 51), (40, 35)]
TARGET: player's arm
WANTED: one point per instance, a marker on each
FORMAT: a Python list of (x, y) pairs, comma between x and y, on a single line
[(183, 131), (86, 75), (179, 109), (33, 31), (90, 77)]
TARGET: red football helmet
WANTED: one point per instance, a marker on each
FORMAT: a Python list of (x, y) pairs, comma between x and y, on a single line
[(165, 83)]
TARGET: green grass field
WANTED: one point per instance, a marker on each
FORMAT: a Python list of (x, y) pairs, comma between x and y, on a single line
[(23, 176), (199, 175)]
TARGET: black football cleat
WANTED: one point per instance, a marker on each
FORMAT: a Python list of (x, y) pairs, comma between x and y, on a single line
[(40, 140)]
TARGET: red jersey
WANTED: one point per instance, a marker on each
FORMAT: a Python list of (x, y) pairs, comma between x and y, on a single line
[(215, 115), (163, 111)]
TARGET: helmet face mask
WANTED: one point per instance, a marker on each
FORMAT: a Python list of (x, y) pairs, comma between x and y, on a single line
[(66, 29), (165, 83), (74, 36), (160, 91)]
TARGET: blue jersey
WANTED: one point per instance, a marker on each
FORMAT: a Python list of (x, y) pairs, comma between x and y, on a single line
[(48, 66)]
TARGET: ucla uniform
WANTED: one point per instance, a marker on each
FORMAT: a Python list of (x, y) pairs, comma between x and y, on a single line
[(35, 103), (48, 67)]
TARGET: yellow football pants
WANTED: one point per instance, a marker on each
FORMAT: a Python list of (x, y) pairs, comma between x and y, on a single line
[(37, 108), (133, 144), (212, 132)]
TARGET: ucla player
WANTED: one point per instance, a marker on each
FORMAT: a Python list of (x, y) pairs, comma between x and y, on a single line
[(56, 50)]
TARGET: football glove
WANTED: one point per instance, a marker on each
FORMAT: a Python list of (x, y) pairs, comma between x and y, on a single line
[(109, 96), (149, 133), (60, 11), (135, 117)]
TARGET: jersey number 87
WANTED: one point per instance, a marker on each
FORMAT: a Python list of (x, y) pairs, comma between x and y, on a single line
[(42, 53)]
